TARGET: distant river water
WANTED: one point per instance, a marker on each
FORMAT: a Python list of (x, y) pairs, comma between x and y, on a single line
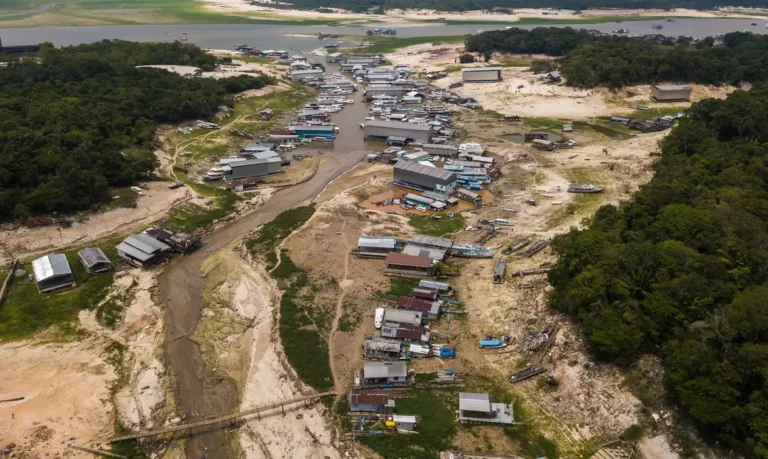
[(226, 36)]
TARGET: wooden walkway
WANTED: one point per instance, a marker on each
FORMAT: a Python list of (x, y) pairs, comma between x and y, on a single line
[(218, 419)]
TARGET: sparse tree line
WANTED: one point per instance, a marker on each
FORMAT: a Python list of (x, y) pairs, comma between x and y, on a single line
[(681, 271), (81, 119), (587, 59)]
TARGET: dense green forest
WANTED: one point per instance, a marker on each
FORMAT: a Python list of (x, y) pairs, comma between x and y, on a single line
[(681, 270), (81, 119), (465, 5), (587, 59)]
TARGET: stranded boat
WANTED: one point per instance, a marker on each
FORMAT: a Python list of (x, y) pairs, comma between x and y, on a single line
[(583, 188), (515, 246)]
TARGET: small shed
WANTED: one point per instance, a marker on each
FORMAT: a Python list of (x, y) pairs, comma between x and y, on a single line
[(266, 114), (554, 76), (443, 287), (94, 260), (404, 422), (568, 127), (52, 272)]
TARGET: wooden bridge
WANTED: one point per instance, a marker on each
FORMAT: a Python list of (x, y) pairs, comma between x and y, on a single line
[(231, 417)]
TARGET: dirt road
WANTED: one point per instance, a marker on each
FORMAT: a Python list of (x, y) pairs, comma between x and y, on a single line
[(181, 288)]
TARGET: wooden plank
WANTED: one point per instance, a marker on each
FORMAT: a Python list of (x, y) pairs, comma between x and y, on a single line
[(94, 451)]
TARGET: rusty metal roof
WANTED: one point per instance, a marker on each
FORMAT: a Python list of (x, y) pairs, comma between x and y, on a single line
[(394, 258)]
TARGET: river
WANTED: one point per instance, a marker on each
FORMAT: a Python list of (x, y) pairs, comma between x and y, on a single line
[(226, 36)]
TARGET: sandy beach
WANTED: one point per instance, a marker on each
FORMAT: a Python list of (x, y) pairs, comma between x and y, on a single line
[(403, 17)]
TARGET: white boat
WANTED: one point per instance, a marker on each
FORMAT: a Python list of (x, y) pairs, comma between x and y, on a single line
[(379, 317), (471, 148)]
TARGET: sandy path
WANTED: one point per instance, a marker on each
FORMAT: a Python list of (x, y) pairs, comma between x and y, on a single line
[(343, 284)]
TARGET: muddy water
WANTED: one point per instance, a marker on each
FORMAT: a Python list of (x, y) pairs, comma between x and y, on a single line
[(181, 288)]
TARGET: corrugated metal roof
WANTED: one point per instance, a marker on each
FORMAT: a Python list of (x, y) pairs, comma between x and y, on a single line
[(414, 304), (400, 316), (672, 87), (382, 242), (468, 193), (146, 243), (439, 286), (385, 345), (384, 370), (436, 172), (435, 195), (481, 69), (92, 255), (394, 258), (420, 251), (438, 146), (133, 252), (251, 162), (469, 401), (398, 125), (432, 241), (403, 418), (368, 397), (313, 128), (48, 266)]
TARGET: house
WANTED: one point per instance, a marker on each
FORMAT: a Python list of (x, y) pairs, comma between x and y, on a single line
[(421, 251), (384, 373), (266, 114), (397, 317), (381, 129), (374, 90), (416, 156), (371, 401), (409, 266), (477, 407), (94, 260), (370, 246), (381, 348), (442, 287), (52, 272), (404, 422), (670, 92), (424, 178), (481, 74), (448, 151), (179, 242), (432, 241), (407, 333), (554, 76), (142, 250), (424, 293), (333, 58), (430, 309), (394, 141), (301, 75), (541, 144), (440, 197)]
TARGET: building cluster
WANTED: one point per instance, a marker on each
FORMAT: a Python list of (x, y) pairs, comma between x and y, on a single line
[(154, 245)]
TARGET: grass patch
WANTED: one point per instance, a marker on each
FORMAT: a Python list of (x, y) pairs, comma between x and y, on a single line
[(398, 287), (436, 427), (306, 350), (582, 204), (26, 311), (446, 225), (643, 115), (546, 123), (515, 63), (286, 268), (270, 235)]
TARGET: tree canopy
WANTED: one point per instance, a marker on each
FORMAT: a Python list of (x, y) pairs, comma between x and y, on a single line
[(681, 270), (588, 59), (81, 119)]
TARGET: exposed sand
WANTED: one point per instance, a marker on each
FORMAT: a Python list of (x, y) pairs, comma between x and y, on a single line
[(657, 448), (240, 340), (66, 397), (156, 199), (404, 17)]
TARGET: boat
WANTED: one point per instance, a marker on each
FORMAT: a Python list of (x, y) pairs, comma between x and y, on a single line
[(379, 317), (670, 20), (754, 23), (515, 246), (621, 31), (535, 248), (584, 188), (657, 26)]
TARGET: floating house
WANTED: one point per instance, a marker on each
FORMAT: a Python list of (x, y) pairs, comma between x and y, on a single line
[(52, 272), (382, 129), (398, 317), (670, 92), (94, 260), (430, 309), (371, 401), (381, 348), (477, 407), (371, 246), (425, 178), (409, 266), (384, 373), (481, 74), (142, 250)]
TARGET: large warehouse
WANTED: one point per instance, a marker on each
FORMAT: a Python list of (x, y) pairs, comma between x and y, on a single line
[(480, 74), (670, 92), (381, 130), (425, 177), (238, 170)]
